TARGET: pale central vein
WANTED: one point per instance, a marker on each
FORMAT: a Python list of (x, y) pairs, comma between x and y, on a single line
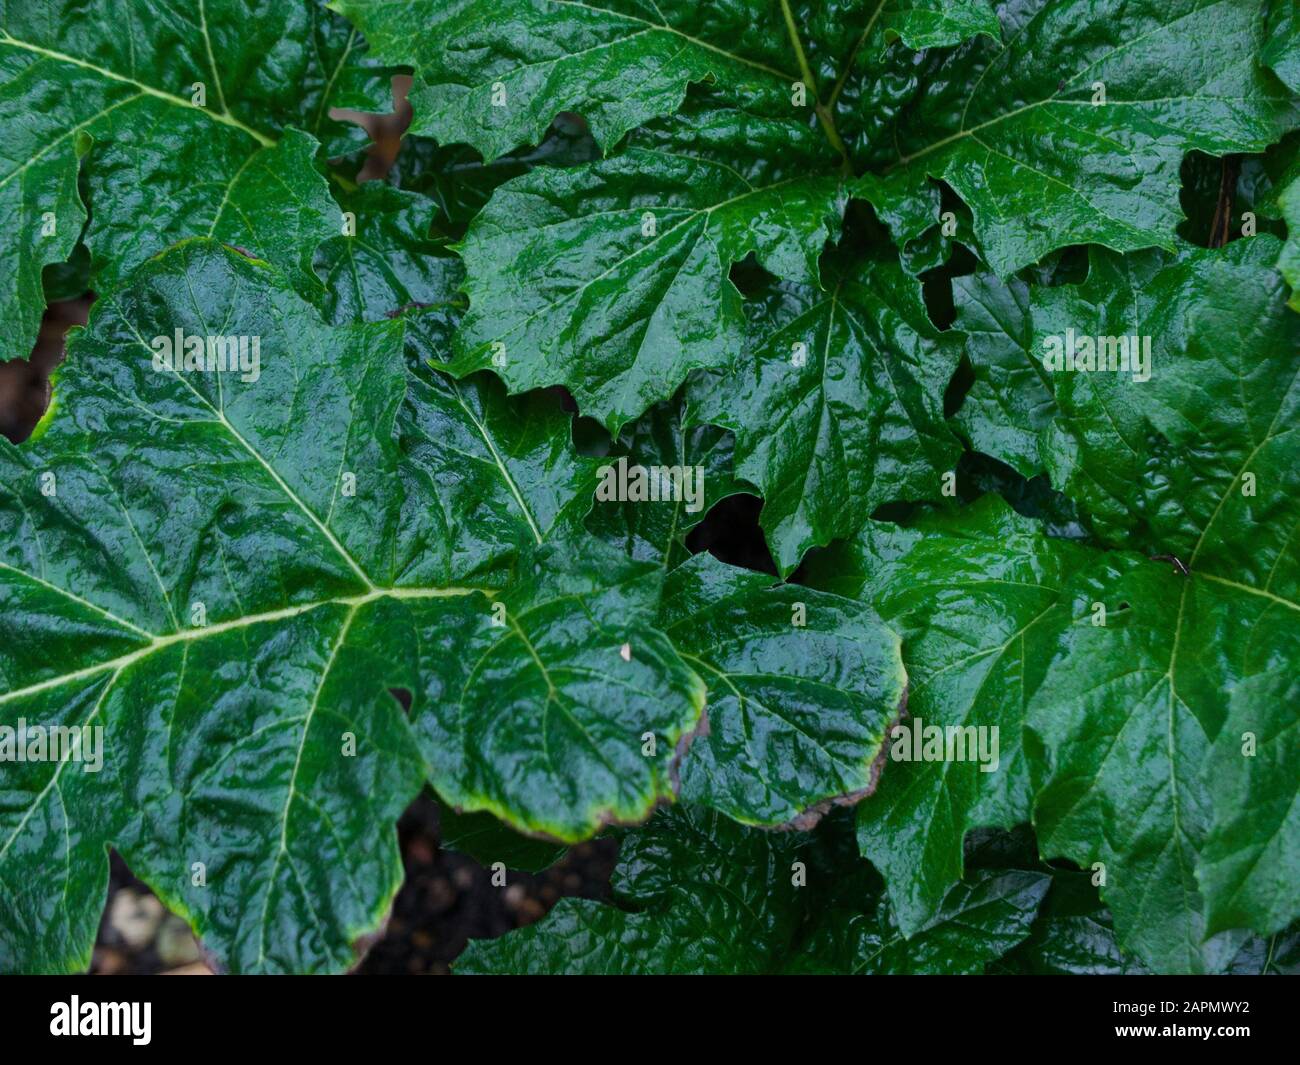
[(54, 777), (177, 101), (292, 790), (496, 457), (212, 61), (188, 636), (642, 249), (666, 28), (293, 496), (1054, 98)]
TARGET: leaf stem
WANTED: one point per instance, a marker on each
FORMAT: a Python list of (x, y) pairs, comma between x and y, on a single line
[(1221, 226), (824, 116)]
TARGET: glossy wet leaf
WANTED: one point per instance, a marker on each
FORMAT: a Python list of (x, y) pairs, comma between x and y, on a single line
[(488, 841), (611, 278), (1125, 718), (697, 893), (664, 437), (1073, 130), (111, 88), (930, 23), (460, 181), (541, 720), (1149, 450), (233, 592), (1196, 463), (296, 594), (388, 262), (1011, 400), (1073, 935), (1289, 257), (1254, 842), (494, 75), (802, 689), (979, 920), (978, 601), (837, 404), (1281, 49), (1120, 683)]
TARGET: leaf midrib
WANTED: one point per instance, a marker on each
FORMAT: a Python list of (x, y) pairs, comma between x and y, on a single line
[(54, 777), (506, 475), (223, 117), (666, 28), (72, 131), (280, 482), (283, 848), (158, 643), (963, 132)]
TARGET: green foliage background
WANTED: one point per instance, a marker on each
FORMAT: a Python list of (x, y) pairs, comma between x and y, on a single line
[(813, 248)]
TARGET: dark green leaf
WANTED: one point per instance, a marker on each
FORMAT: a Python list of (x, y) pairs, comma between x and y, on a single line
[(838, 405), (978, 598), (802, 686), (203, 578), (494, 75), (1073, 935), (611, 279), (699, 894), (979, 921), (112, 87), (460, 181), (1020, 132), (1254, 843), (389, 263), (1011, 400), (1281, 49), (656, 530), (488, 841)]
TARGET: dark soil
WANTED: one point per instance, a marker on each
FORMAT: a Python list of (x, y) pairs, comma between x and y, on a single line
[(449, 898)]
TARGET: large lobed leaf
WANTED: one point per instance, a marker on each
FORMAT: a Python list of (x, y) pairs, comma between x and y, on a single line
[(1123, 710), (1154, 462), (227, 729), (802, 689), (1198, 463), (612, 279), (837, 406), (978, 602), (262, 732), (801, 685), (494, 75)]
